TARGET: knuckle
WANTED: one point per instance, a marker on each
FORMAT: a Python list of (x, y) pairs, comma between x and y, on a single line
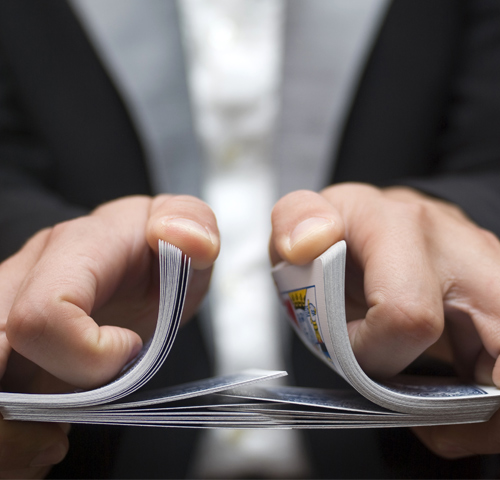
[(38, 240), (26, 323), (63, 231), (414, 320), (423, 214), (490, 239), (418, 213), (75, 225)]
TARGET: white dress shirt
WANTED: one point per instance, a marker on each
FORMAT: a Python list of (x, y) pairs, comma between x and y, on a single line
[(235, 52)]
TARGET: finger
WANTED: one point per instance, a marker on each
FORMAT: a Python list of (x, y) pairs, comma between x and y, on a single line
[(457, 441), (467, 258), (304, 226), (12, 273), (81, 266), (483, 368), (402, 288), (25, 445), (474, 291), (14, 269), (404, 317), (189, 224), (464, 343)]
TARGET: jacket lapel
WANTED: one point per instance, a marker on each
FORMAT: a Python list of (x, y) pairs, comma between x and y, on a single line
[(399, 112), (71, 102), (141, 46), (325, 49)]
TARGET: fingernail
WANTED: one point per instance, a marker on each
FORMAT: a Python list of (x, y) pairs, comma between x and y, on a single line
[(50, 456), (450, 450), (308, 228), (188, 226)]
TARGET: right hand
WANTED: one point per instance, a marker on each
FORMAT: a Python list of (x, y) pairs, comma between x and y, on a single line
[(79, 299), (421, 277)]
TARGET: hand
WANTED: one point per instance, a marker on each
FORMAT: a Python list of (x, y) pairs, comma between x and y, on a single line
[(79, 299), (420, 277)]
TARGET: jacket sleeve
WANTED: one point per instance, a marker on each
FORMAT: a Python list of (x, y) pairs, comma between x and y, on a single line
[(28, 198), (467, 168)]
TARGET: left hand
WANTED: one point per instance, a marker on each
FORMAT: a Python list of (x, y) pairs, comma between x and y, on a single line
[(79, 299), (421, 277)]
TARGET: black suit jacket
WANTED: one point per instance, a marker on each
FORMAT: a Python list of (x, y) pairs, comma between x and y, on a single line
[(427, 114)]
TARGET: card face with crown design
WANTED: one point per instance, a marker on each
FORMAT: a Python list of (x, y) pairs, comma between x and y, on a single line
[(313, 296), (116, 402), (301, 309)]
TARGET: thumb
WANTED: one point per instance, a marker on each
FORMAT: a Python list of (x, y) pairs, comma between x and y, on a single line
[(189, 224), (304, 226)]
